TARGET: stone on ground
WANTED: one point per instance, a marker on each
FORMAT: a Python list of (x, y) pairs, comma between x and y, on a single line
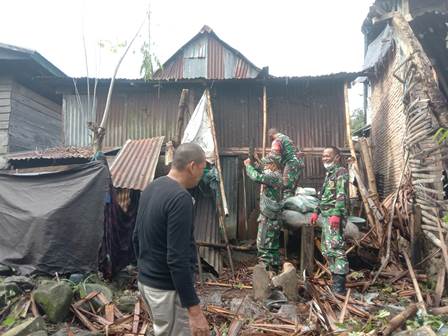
[(287, 281), (54, 299), (261, 282)]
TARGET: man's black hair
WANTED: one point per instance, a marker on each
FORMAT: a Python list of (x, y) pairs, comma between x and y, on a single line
[(186, 153)]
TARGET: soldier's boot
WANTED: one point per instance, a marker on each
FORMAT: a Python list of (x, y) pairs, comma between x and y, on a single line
[(339, 284)]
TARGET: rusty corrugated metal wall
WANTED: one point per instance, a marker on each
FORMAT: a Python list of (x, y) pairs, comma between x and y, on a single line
[(311, 112)]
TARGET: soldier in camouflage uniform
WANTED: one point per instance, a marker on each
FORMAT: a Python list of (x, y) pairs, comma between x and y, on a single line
[(333, 210), (285, 153), (268, 238)]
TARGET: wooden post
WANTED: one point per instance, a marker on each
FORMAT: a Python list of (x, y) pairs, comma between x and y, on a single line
[(416, 235), (440, 287), (348, 128), (183, 108), (222, 207), (217, 159), (265, 119), (246, 225), (367, 158), (307, 249)]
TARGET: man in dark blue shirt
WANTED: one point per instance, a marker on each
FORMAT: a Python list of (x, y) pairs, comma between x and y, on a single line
[(165, 247)]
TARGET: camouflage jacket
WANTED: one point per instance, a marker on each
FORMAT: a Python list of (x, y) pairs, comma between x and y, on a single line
[(283, 150), (334, 194), (272, 180)]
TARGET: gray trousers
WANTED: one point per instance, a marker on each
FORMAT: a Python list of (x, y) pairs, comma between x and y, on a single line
[(168, 316)]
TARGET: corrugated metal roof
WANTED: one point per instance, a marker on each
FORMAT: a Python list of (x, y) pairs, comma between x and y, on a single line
[(53, 154), (207, 56), (136, 163), (40, 64)]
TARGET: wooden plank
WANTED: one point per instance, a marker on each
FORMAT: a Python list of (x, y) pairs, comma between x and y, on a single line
[(416, 236), (136, 320), (307, 249), (439, 287), (243, 151), (84, 320), (21, 91)]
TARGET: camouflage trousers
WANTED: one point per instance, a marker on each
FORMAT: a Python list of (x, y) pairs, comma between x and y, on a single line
[(291, 175), (268, 241), (333, 246)]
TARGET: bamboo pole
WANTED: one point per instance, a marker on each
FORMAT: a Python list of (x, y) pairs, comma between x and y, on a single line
[(367, 157), (246, 225), (418, 293), (217, 159), (222, 207), (348, 127), (265, 119)]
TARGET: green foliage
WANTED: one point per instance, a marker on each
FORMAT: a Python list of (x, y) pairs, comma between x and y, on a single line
[(9, 321), (149, 62), (435, 322), (357, 119), (441, 135)]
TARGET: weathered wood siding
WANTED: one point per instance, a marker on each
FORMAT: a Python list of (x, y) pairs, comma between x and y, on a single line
[(5, 111), (35, 121)]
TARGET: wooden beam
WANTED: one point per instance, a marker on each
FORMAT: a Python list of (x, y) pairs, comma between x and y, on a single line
[(182, 109), (308, 151), (416, 235), (307, 249)]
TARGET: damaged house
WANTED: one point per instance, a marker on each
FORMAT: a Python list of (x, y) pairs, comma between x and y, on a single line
[(406, 64), (305, 108)]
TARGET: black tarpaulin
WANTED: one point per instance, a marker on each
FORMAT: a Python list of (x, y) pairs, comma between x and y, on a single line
[(378, 49), (53, 222)]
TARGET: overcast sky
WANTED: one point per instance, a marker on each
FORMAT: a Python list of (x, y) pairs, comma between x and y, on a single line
[(292, 37)]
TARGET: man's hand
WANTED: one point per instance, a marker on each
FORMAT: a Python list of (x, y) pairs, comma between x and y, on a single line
[(335, 222), (313, 218), (198, 323), (247, 162)]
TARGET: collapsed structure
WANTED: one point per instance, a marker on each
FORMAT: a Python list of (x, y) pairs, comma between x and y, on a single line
[(407, 71)]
